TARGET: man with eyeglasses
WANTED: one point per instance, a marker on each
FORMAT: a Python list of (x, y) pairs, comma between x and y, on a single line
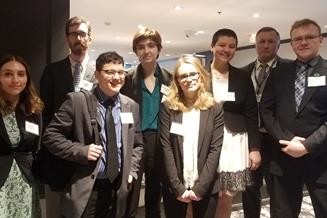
[(59, 78), (294, 111), (105, 166), (147, 84), (267, 44)]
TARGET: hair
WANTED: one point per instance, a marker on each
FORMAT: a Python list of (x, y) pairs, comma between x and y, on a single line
[(29, 101), (108, 57), (146, 33), (305, 22), (175, 97), (223, 32), (78, 21), (268, 29)]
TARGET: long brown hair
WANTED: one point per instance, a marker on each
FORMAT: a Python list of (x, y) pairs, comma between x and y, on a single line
[(29, 101)]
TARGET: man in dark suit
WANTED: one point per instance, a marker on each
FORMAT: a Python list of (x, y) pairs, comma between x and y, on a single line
[(294, 111), (103, 172), (267, 45), (146, 84), (57, 80)]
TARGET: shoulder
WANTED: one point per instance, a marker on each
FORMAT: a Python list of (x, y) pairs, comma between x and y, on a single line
[(127, 100), (249, 67), (55, 67), (165, 73)]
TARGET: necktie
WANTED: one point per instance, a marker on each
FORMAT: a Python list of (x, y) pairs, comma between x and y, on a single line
[(112, 162), (261, 76), (77, 76), (300, 84)]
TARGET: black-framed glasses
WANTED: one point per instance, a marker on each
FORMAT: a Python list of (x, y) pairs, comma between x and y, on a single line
[(191, 75), (81, 34), (114, 72), (307, 38)]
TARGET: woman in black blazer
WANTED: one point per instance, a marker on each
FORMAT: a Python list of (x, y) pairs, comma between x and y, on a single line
[(240, 151), (20, 128), (191, 129)]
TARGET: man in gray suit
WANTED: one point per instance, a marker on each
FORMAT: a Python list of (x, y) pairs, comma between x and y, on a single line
[(294, 111), (103, 171), (267, 45)]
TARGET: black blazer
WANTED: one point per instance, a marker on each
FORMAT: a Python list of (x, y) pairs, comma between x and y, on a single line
[(242, 114), (280, 118), (27, 147), (209, 146), (133, 86)]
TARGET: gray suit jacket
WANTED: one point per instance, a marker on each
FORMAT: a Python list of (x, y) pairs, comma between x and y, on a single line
[(67, 137), (209, 146)]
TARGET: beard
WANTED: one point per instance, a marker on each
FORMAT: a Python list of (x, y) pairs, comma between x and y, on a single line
[(78, 48)]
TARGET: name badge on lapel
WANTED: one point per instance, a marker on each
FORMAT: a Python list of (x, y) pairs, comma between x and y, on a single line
[(126, 118), (32, 128), (84, 84), (316, 80), (177, 128), (228, 96)]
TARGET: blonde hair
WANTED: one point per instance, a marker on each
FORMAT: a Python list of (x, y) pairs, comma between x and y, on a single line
[(175, 97)]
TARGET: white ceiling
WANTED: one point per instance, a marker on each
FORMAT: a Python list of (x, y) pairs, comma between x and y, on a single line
[(124, 16)]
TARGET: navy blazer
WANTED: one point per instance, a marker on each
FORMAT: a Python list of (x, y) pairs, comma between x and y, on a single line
[(24, 153)]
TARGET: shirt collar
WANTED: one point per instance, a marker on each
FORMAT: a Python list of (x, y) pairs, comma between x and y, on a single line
[(271, 63), (84, 62), (312, 63), (102, 97)]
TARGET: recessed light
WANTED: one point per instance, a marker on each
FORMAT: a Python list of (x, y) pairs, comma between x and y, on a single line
[(130, 53), (178, 8), (107, 23), (140, 26), (256, 15), (199, 32), (325, 26), (167, 55), (167, 41)]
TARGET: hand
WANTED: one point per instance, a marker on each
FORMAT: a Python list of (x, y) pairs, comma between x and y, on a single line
[(255, 160), (298, 139), (94, 152), (294, 148), (184, 197), (192, 196), (130, 179)]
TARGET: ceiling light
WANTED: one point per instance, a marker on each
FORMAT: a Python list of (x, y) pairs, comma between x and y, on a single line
[(325, 26), (199, 32), (130, 53), (140, 26), (256, 15), (167, 55), (178, 8), (252, 38), (167, 41), (107, 23)]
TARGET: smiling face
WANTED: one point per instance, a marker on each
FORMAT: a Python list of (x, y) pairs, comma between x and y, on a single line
[(13, 79), (111, 78), (224, 49), (306, 42), (188, 79)]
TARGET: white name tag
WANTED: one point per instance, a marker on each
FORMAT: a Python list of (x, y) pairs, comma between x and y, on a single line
[(177, 128), (84, 84), (126, 118), (314, 81), (164, 89), (228, 96), (32, 128)]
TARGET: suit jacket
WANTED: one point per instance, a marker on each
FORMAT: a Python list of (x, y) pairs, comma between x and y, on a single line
[(67, 137), (56, 81), (282, 121), (133, 85), (209, 146), (25, 151), (241, 115)]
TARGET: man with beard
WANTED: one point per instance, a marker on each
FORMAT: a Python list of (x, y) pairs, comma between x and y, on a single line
[(59, 78)]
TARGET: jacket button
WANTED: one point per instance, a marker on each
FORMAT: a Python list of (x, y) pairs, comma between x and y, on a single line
[(92, 176)]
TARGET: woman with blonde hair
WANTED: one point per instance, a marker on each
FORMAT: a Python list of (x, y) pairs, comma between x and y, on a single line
[(191, 129), (20, 131)]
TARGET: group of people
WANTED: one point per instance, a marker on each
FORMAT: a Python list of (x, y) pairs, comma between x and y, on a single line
[(200, 134)]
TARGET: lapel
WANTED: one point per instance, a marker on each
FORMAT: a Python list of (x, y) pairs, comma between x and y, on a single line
[(289, 72), (204, 116), (125, 107), (89, 73), (3, 132), (178, 118), (320, 69)]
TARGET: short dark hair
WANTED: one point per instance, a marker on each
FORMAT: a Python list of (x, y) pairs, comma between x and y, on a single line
[(107, 58), (146, 33), (305, 22), (268, 29), (223, 32), (77, 20)]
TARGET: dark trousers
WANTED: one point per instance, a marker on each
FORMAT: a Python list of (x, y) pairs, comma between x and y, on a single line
[(251, 197), (286, 196), (150, 166), (174, 208), (102, 201)]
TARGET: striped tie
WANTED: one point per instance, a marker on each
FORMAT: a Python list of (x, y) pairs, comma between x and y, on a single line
[(300, 84)]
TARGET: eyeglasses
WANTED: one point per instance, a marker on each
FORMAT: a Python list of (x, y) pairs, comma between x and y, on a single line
[(81, 34), (191, 75), (307, 38), (114, 72)]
